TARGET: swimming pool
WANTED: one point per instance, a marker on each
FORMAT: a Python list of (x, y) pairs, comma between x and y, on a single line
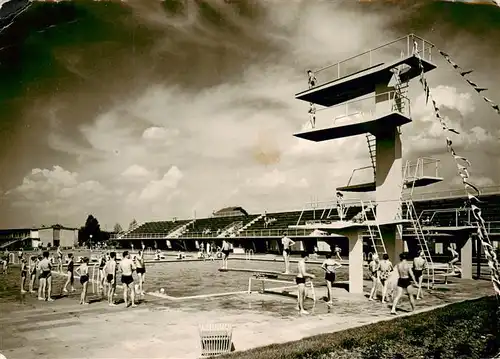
[(190, 278)]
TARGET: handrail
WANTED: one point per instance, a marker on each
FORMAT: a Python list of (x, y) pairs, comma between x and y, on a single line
[(406, 49)]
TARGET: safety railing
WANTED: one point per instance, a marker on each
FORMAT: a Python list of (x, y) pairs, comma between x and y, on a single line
[(389, 52), (423, 166), (363, 109), (356, 173), (454, 193)]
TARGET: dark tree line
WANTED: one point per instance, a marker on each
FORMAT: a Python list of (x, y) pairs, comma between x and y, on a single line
[(91, 233)]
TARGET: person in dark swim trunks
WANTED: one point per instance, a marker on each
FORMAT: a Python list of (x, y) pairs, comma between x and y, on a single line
[(419, 265), (70, 273), (330, 266), (127, 268), (404, 282), (24, 273), (45, 278), (83, 271), (301, 282), (287, 244), (110, 271)]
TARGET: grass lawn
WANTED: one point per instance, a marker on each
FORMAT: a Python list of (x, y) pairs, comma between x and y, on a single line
[(467, 330)]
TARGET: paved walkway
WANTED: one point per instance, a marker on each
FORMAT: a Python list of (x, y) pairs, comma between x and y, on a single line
[(161, 328)]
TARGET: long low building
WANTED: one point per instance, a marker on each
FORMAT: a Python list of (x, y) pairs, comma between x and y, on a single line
[(42, 237)]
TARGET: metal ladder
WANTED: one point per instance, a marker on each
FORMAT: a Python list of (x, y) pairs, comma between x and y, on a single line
[(372, 149), (374, 233), (409, 212)]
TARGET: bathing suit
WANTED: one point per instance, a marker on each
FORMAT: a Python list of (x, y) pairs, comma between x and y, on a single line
[(109, 278), (287, 251), (384, 275), (127, 279), (45, 274), (33, 272), (102, 264), (300, 280), (417, 273), (226, 252), (84, 278), (141, 270), (374, 274), (404, 282), (23, 273), (330, 277)]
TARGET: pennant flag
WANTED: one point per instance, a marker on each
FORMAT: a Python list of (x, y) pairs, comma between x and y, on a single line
[(474, 85), (463, 172)]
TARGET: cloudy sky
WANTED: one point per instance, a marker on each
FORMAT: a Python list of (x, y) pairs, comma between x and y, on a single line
[(150, 110)]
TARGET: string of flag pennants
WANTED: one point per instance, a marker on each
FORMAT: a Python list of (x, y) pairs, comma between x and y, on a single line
[(463, 165), (464, 73)]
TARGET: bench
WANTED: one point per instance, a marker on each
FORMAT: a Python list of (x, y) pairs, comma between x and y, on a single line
[(263, 278)]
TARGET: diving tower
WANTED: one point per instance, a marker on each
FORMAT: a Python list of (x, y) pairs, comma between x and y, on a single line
[(367, 95)]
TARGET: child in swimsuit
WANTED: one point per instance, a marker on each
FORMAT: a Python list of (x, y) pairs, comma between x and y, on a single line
[(83, 271)]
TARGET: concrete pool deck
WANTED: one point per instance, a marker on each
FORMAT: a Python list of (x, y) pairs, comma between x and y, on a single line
[(162, 328)]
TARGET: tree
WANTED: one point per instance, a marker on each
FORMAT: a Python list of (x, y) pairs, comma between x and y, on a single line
[(91, 228), (118, 228), (132, 224)]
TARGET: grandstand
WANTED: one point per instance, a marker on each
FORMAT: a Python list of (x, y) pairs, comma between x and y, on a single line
[(443, 209)]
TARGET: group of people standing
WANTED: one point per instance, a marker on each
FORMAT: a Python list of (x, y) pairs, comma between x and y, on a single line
[(41, 268), (384, 274)]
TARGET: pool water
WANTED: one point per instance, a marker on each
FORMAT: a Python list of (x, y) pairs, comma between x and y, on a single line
[(180, 279)]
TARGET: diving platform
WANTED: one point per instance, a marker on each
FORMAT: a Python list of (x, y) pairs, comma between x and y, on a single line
[(354, 127), (359, 187), (371, 186), (345, 80), (348, 225)]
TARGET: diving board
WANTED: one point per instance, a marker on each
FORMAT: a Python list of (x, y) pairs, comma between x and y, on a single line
[(360, 187), (422, 181), (362, 82), (370, 125), (256, 271)]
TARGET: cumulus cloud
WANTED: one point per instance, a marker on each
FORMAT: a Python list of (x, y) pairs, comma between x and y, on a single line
[(214, 126)]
